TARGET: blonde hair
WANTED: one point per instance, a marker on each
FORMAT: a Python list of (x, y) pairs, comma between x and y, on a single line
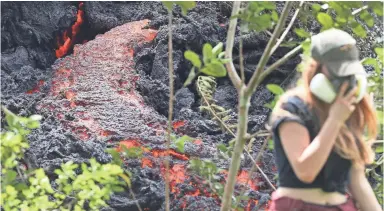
[(350, 145)]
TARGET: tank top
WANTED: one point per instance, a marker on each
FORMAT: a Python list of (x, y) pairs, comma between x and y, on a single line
[(333, 177)]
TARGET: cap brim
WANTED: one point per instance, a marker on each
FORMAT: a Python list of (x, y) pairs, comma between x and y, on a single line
[(346, 68)]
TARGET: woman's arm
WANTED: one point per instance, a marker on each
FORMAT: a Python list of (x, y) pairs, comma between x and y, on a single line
[(362, 191), (307, 158)]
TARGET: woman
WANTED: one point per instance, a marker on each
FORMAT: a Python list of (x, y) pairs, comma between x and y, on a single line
[(320, 130)]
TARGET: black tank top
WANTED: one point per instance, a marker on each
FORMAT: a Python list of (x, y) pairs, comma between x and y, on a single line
[(334, 176)]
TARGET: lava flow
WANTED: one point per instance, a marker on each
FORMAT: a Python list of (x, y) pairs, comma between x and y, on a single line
[(69, 36)]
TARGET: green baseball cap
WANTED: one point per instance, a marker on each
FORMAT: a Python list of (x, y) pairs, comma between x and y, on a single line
[(337, 50)]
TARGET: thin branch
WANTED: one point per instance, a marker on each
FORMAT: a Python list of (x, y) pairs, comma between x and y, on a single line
[(261, 133), (287, 29), (278, 63), (134, 198), (264, 58), (23, 177), (229, 46), (378, 142), (254, 167), (241, 59), (170, 111), (359, 10)]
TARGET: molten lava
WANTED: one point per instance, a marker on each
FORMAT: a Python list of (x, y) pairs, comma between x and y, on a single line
[(178, 124), (74, 30)]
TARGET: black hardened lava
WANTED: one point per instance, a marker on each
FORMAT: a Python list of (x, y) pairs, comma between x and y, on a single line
[(110, 87)]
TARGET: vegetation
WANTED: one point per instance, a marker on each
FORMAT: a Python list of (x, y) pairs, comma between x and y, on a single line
[(259, 17), (31, 189), (83, 186)]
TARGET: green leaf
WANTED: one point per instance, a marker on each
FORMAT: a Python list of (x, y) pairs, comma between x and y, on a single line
[(379, 149), (186, 5), (115, 156), (215, 69), (9, 176), (306, 45), (190, 78), (316, 7), (302, 33), (377, 7), (380, 54), (325, 20), (207, 53), (33, 125), (221, 55), (271, 144), (359, 31), (168, 5), (275, 89), (267, 5), (368, 19), (193, 58), (217, 49), (275, 16), (222, 147), (180, 145)]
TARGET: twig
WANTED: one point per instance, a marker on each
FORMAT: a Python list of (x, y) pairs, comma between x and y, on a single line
[(21, 174), (254, 167), (229, 46), (359, 10), (258, 134), (265, 57), (287, 29), (241, 59), (378, 142), (134, 198), (170, 63), (277, 64)]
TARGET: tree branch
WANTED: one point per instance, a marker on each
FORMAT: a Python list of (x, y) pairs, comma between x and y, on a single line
[(241, 59), (229, 46), (287, 29), (264, 58), (277, 64)]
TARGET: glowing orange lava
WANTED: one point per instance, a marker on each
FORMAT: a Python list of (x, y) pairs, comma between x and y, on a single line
[(68, 41), (178, 124), (146, 162), (162, 153), (128, 144)]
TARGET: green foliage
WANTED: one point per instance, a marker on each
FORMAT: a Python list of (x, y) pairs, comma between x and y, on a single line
[(302, 33), (209, 171), (32, 190), (258, 16), (325, 20), (180, 142), (185, 5), (277, 91), (213, 62)]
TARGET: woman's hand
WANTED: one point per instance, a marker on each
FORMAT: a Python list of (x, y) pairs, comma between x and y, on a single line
[(343, 106)]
